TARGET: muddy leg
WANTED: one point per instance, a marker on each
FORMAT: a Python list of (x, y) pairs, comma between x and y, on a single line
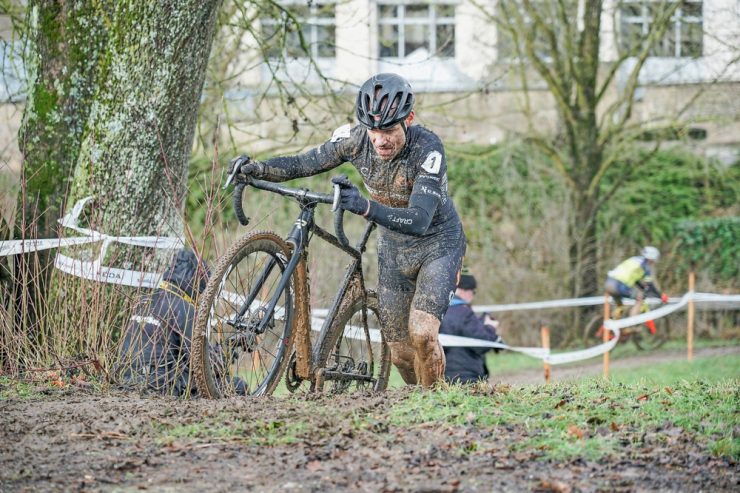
[(635, 310), (402, 355), (429, 360)]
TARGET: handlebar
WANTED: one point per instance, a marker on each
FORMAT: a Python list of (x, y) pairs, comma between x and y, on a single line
[(302, 195)]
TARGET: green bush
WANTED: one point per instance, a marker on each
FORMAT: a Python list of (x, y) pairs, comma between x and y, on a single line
[(712, 244), (672, 189)]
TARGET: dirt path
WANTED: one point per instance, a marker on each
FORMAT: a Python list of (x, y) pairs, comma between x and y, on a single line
[(77, 440), (594, 367)]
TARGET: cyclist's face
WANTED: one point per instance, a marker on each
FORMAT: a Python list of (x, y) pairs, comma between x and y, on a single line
[(389, 142)]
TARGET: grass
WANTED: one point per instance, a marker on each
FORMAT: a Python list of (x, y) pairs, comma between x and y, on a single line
[(638, 409), (590, 419), (701, 369), (17, 389), (510, 362), (270, 432)]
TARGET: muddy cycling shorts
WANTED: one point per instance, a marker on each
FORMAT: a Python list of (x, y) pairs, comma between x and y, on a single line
[(416, 274), (619, 290)]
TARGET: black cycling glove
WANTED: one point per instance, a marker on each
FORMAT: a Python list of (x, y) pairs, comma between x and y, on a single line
[(350, 198), (246, 166)]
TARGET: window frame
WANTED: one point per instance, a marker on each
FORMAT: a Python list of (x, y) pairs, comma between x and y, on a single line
[(314, 22), (432, 21), (678, 19)]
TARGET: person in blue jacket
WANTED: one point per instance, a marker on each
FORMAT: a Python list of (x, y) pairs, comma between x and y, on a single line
[(467, 364)]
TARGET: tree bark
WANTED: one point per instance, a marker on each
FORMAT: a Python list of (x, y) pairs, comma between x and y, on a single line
[(112, 114), (135, 153), (66, 39)]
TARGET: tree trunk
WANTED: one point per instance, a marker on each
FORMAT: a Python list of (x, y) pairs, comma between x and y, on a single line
[(67, 39), (135, 153), (133, 117)]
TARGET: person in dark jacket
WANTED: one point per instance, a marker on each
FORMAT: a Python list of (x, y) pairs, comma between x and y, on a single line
[(467, 364), (155, 352)]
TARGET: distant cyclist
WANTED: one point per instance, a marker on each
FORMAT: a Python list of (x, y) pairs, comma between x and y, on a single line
[(633, 278), (421, 242)]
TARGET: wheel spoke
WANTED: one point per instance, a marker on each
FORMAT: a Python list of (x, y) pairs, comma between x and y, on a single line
[(247, 359)]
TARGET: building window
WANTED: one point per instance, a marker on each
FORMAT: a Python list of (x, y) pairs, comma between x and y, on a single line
[(517, 29), (416, 29), (283, 29), (683, 36)]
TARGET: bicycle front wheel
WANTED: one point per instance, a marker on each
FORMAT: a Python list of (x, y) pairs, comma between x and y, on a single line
[(353, 353), (240, 343)]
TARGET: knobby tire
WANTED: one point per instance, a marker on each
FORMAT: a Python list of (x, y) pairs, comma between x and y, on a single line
[(228, 361)]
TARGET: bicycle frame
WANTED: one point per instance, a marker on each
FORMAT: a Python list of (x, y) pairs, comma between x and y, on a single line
[(298, 238)]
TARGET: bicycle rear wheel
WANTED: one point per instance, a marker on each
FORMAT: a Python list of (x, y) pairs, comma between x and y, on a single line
[(353, 353), (594, 332), (651, 335), (240, 346)]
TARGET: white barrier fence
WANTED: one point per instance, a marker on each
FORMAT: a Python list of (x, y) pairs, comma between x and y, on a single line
[(96, 271)]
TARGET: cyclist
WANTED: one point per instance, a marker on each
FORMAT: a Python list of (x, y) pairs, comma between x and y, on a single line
[(633, 279), (421, 241)]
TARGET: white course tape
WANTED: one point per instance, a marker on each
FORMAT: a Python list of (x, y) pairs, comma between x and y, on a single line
[(94, 270), (145, 320), (614, 326), (538, 305), (16, 247), (651, 315)]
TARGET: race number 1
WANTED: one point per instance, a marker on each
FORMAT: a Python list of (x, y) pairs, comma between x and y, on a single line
[(432, 163)]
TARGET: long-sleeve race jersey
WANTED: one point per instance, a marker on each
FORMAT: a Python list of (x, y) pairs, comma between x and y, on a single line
[(635, 271), (409, 192)]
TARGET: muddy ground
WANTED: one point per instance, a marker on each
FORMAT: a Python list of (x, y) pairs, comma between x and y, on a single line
[(79, 440)]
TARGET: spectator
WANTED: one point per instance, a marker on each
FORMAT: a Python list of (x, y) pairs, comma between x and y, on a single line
[(467, 364), (633, 278)]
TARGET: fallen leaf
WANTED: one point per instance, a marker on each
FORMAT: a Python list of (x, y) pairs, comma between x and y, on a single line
[(669, 390), (643, 397), (614, 426), (575, 431), (555, 485), (314, 466)]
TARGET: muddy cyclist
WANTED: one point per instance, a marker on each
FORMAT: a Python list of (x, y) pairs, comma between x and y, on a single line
[(421, 241)]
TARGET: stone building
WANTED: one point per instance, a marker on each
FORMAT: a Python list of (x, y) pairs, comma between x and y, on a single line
[(456, 58)]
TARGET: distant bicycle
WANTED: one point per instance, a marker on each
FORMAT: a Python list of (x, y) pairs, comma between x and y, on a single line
[(254, 320), (650, 335)]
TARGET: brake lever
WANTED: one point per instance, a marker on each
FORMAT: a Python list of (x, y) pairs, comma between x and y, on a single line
[(231, 177), (337, 197)]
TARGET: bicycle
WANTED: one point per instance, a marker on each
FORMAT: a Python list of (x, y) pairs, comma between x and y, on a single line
[(650, 335), (245, 336)]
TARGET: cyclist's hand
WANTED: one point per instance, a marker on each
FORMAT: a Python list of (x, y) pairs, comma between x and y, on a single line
[(246, 166), (350, 198), (664, 298)]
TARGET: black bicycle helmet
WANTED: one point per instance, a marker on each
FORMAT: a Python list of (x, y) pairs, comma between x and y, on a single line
[(384, 100)]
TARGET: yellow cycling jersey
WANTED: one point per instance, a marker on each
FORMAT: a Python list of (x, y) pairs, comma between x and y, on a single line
[(632, 271)]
